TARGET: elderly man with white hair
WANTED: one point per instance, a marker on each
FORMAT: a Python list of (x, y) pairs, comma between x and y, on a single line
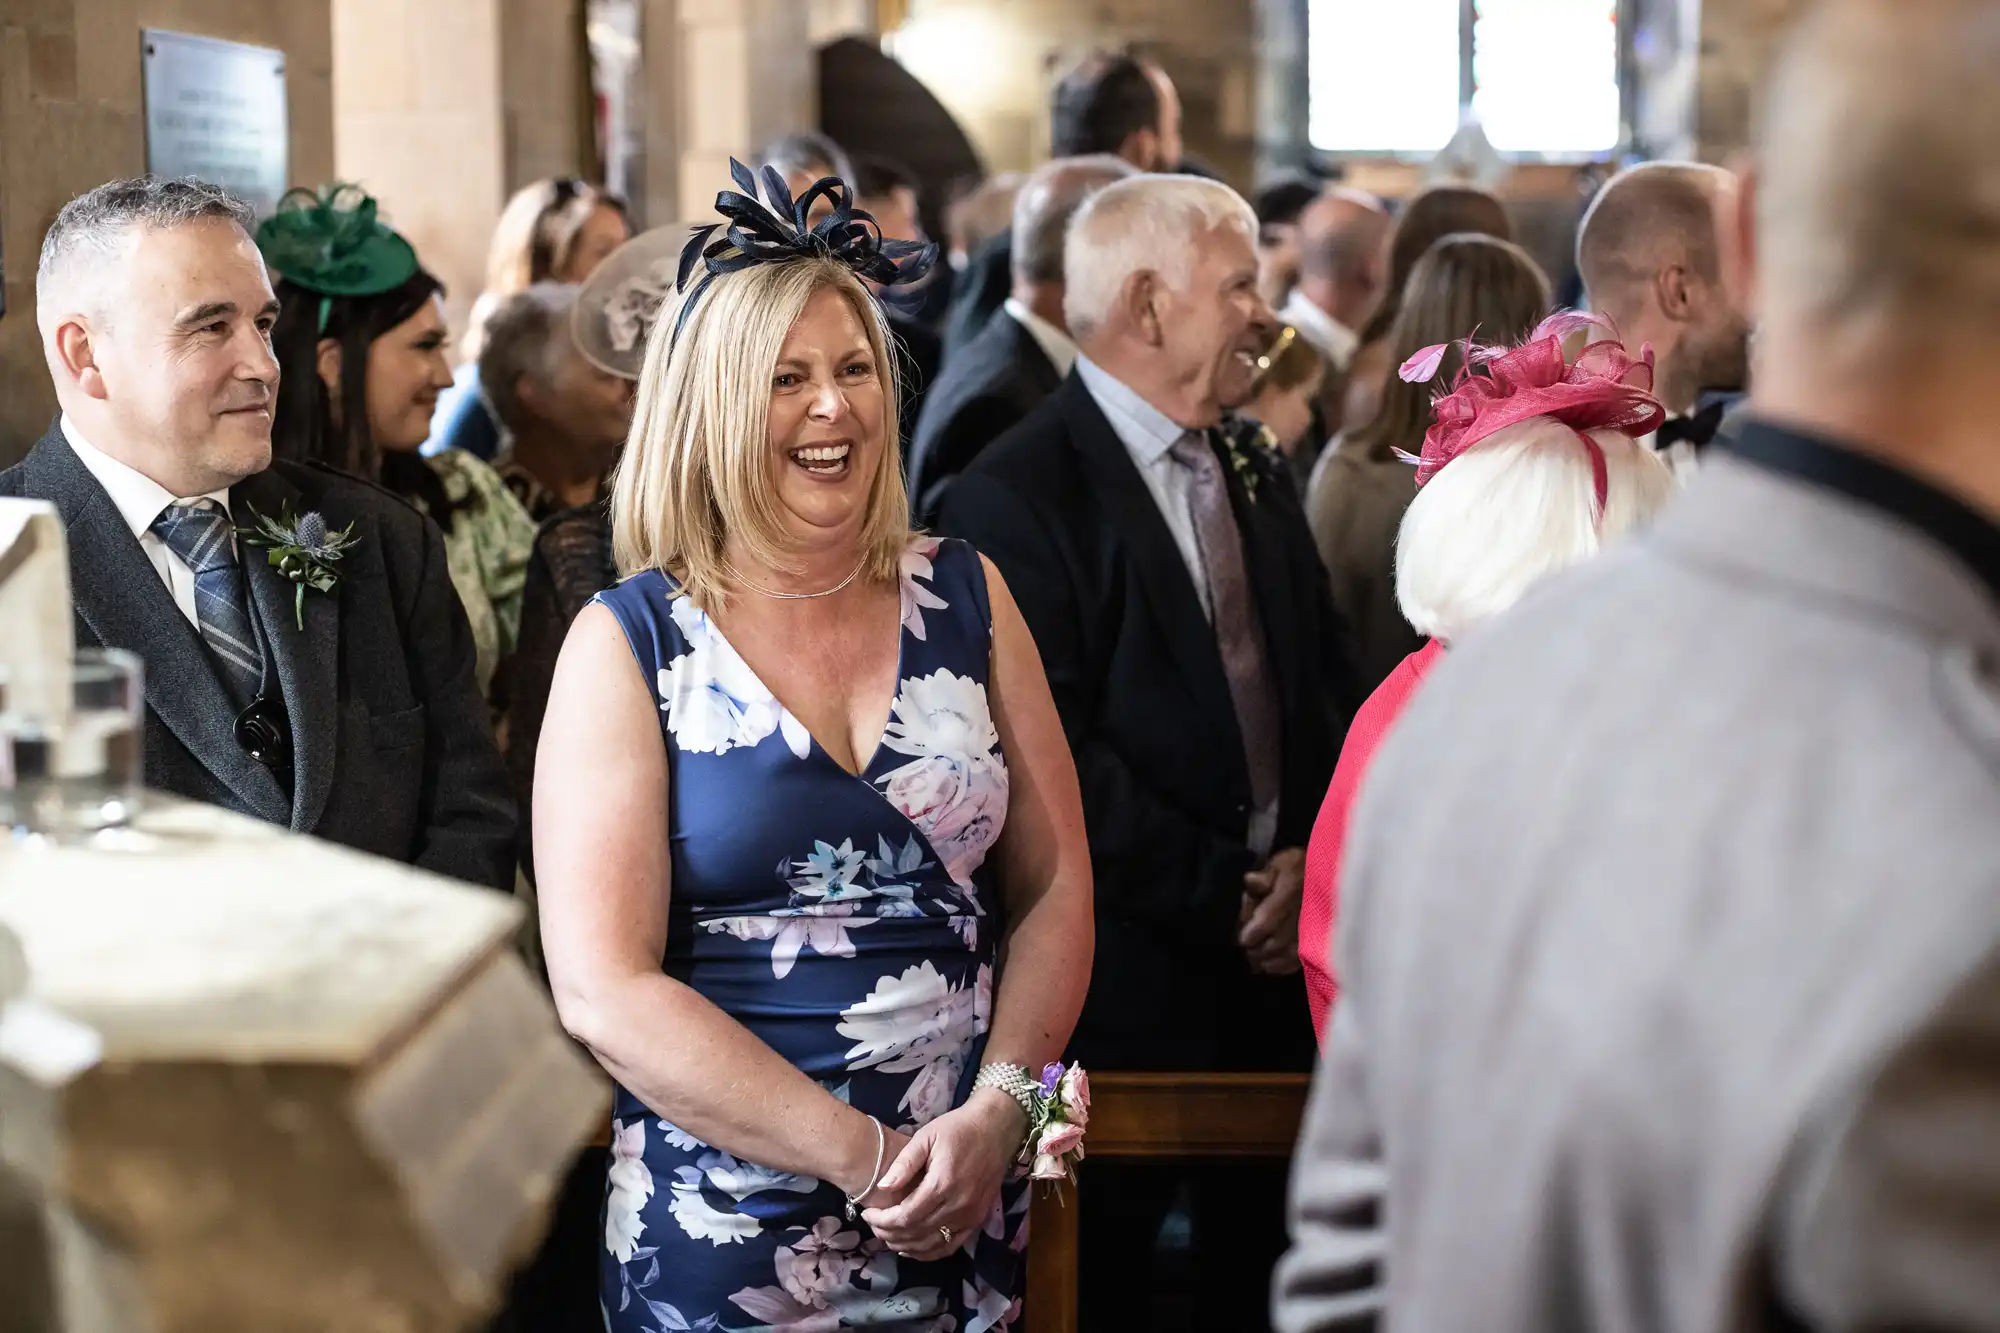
[(1173, 588)]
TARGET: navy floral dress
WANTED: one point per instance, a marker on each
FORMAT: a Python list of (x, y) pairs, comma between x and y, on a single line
[(846, 921)]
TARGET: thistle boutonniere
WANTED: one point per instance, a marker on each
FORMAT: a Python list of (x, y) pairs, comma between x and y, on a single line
[(301, 549)]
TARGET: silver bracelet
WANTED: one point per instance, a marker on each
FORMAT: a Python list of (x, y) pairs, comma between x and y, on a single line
[(881, 1150), (1015, 1081)]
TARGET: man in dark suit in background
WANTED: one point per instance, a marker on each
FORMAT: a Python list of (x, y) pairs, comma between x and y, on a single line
[(1182, 615), (155, 313), (888, 190), (1108, 104), (1025, 349)]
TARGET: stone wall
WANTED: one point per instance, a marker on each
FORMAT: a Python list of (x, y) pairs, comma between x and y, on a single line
[(444, 108), (72, 116), (548, 128), (993, 63), (418, 124), (1738, 38)]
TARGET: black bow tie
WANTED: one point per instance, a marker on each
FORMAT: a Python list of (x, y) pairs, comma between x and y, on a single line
[(1697, 430)]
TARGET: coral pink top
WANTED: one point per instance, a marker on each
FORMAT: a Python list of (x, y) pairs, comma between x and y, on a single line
[(1322, 886)]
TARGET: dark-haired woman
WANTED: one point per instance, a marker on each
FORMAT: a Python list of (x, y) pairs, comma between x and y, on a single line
[(361, 344)]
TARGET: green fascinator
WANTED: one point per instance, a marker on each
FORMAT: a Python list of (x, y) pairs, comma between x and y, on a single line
[(332, 243)]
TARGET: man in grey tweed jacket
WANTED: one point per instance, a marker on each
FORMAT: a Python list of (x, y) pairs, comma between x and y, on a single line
[(1670, 934)]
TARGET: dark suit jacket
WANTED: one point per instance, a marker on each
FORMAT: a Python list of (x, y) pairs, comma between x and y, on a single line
[(980, 290), (919, 352), (392, 750), (992, 383), (1059, 507)]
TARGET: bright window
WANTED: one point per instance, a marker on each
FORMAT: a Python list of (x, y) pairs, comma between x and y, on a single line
[(1546, 74), (1387, 76), (1384, 75)]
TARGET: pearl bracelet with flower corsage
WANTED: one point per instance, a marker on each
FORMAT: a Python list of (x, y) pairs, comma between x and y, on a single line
[(1058, 1110)]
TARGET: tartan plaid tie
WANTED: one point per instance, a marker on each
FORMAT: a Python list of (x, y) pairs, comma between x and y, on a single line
[(201, 535)]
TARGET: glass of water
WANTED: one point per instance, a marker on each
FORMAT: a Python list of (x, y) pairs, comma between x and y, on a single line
[(67, 777)]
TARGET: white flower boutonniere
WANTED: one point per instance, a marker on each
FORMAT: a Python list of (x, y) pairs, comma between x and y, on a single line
[(1246, 471)]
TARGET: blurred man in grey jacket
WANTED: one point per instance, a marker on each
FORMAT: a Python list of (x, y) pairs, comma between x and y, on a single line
[(1671, 926)]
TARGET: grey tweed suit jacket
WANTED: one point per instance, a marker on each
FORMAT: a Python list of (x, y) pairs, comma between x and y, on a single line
[(392, 752), (1670, 946)]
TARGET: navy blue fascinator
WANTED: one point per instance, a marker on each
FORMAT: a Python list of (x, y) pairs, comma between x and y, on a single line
[(774, 230)]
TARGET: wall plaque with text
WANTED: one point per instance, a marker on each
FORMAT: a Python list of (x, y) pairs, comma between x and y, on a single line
[(216, 110)]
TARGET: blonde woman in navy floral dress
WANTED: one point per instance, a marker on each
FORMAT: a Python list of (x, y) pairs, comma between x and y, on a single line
[(808, 838)]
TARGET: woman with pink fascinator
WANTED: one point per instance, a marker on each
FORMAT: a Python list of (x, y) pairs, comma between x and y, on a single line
[(1533, 464)]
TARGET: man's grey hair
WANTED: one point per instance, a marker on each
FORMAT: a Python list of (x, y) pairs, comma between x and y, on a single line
[(528, 334), (809, 152), (1145, 223), (87, 233), (1047, 202)]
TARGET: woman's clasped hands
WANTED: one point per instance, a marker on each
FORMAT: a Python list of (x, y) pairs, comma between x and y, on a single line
[(943, 1182)]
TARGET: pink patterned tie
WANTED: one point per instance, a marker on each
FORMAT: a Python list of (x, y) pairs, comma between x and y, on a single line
[(1238, 630)]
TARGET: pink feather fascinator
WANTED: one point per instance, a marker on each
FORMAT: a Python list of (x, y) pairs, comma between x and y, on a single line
[(1604, 388)]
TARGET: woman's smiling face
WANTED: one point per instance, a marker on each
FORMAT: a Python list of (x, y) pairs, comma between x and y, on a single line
[(828, 415)]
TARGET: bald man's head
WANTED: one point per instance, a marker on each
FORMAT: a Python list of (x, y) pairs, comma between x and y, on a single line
[(1645, 219), (1343, 257), (1878, 199), (1649, 250)]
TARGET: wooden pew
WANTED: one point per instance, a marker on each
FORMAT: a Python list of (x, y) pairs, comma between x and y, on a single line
[(1161, 1117)]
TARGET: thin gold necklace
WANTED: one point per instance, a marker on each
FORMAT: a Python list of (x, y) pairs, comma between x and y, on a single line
[(794, 596)]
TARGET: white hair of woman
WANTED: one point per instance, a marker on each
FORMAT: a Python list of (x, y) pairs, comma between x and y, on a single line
[(1546, 466)]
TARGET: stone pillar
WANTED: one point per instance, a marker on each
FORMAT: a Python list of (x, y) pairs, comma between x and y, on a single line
[(1665, 69), (1284, 89), (830, 20), (747, 76), (657, 190), (723, 77), (417, 120), (548, 126), (72, 117), (445, 108)]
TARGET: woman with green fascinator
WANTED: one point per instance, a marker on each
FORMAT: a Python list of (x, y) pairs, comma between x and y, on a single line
[(361, 346)]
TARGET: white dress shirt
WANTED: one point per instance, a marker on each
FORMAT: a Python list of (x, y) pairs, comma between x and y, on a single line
[(1056, 345), (1329, 337), (1680, 457), (140, 500)]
